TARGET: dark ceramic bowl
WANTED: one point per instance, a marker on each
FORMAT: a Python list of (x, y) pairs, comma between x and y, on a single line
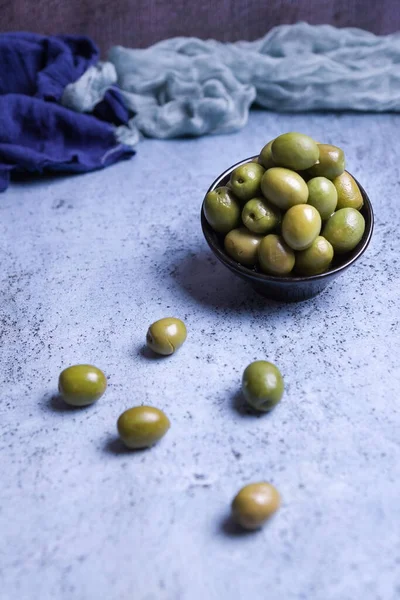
[(286, 289)]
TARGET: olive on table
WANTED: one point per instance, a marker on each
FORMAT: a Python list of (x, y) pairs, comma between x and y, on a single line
[(222, 210), (142, 426), (81, 385), (246, 179), (349, 194), (315, 259), (166, 335), (262, 385), (275, 256), (323, 196), (284, 187), (300, 226), (241, 245), (265, 157), (254, 504), (294, 151), (344, 229), (260, 216)]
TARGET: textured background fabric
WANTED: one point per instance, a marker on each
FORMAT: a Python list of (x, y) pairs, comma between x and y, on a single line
[(139, 23), (186, 86)]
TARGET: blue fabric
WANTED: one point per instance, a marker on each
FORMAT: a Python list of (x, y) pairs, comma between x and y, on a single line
[(112, 108), (37, 133)]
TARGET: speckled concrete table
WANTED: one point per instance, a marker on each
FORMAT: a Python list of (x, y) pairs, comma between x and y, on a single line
[(87, 262)]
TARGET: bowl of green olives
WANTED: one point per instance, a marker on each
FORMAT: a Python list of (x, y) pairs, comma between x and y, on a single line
[(290, 220)]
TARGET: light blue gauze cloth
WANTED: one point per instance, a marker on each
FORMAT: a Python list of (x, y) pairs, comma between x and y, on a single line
[(186, 86)]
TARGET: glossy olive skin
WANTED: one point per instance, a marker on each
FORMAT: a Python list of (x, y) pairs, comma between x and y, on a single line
[(349, 195), (330, 164), (81, 385), (222, 210), (262, 385), (300, 226), (260, 216), (245, 181), (142, 426), (265, 157), (323, 196), (284, 187), (344, 229), (241, 245), (254, 504), (275, 256), (166, 336), (294, 151), (315, 259)]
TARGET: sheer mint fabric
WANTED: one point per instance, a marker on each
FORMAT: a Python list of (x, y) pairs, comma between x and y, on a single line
[(187, 86)]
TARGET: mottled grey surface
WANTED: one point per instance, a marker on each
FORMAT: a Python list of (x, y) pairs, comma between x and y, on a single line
[(87, 262)]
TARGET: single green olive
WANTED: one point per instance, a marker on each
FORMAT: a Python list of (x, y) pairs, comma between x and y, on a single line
[(262, 385), (300, 226), (284, 187), (81, 385), (315, 259), (265, 157), (254, 504), (142, 426), (349, 194), (323, 196), (330, 164), (260, 216), (222, 210), (245, 180), (166, 335), (294, 151), (275, 256), (344, 229), (241, 245)]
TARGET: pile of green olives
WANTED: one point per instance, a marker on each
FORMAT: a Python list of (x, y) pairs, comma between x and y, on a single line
[(291, 211)]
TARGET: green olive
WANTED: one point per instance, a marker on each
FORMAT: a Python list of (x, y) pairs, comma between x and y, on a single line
[(323, 196), (260, 216), (166, 335), (241, 245), (284, 187), (81, 385), (330, 163), (262, 385), (255, 504), (300, 226), (142, 426), (275, 256), (294, 151), (245, 180), (265, 156), (222, 210), (349, 195), (315, 259), (344, 229)]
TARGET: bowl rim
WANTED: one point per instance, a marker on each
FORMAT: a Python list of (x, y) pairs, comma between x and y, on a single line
[(231, 263)]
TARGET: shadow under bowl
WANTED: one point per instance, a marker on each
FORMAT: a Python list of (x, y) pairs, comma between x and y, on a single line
[(292, 288)]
